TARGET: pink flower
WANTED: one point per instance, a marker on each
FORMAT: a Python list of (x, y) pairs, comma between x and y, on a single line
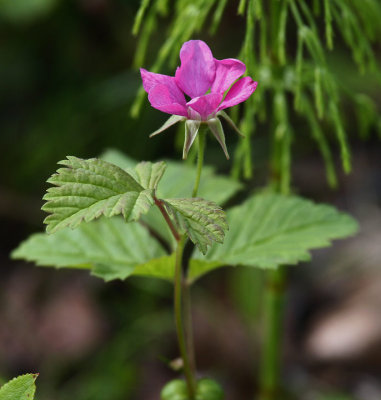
[(206, 81)]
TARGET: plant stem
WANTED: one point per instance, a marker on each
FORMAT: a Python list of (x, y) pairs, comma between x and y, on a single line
[(201, 137), (270, 368), (186, 286), (189, 324), (273, 332), (189, 375), (164, 213)]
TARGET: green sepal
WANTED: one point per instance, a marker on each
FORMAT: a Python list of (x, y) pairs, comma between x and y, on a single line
[(191, 130), (216, 128), (226, 117), (172, 120)]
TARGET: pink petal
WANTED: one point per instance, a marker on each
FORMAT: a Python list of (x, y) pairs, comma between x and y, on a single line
[(239, 92), (162, 99), (196, 73), (206, 105), (227, 71), (150, 79)]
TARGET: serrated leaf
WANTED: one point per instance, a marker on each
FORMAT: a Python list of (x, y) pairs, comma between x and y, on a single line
[(203, 221), (269, 230), (108, 247), (149, 174), (177, 182), (20, 388), (86, 189)]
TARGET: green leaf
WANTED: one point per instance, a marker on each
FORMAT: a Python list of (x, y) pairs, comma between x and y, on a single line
[(20, 388), (149, 174), (269, 230), (177, 182), (203, 221), (179, 177), (109, 247), (86, 189)]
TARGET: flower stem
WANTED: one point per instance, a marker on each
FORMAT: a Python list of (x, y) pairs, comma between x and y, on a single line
[(189, 324), (187, 296), (189, 374), (201, 137), (182, 288)]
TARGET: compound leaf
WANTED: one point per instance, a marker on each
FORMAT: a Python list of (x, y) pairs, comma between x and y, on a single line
[(86, 189), (179, 177), (149, 174), (203, 221)]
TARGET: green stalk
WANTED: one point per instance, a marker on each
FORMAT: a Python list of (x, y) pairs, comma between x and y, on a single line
[(273, 333), (189, 324), (271, 360), (183, 316), (186, 284), (185, 342), (201, 137), (188, 372)]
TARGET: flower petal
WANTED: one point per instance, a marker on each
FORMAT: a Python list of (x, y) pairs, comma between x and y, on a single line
[(162, 99), (206, 105), (151, 79), (227, 71), (239, 92), (196, 73)]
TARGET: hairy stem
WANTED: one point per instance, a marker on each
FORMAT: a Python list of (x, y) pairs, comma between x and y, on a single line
[(167, 218), (188, 371)]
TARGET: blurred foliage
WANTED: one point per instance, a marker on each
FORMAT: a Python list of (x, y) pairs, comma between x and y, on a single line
[(24, 10)]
